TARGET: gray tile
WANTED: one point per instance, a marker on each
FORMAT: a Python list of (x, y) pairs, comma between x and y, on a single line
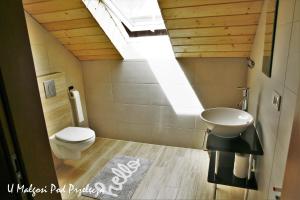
[(297, 11), (281, 49), (283, 140), (96, 72), (132, 93), (285, 11), (133, 72), (293, 66)]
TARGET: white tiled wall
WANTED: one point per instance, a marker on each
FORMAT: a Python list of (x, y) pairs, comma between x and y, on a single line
[(275, 126), (125, 101)]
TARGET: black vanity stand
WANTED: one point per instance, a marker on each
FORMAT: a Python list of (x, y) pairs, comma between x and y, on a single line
[(222, 152)]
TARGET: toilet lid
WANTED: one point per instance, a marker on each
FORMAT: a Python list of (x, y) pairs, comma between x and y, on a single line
[(75, 134)]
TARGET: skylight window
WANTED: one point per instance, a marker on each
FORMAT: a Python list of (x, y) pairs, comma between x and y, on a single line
[(142, 17), (137, 15)]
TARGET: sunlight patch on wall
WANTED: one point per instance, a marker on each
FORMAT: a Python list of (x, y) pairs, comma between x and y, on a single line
[(159, 54), (157, 50)]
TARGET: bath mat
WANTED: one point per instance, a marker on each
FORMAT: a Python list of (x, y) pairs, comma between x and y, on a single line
[(118, 179)]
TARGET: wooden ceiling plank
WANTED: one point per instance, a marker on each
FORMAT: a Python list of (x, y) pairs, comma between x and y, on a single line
[(213, 40), (188, 3), (70, 24), (211, 48), (87, 46), (91, 52), (99, 57), (214, 31), (84, 39), (232, 20), (73, 25), (80, 13), (37, 7), (78, 32), (214, 10), (33, 1), (212, 54)]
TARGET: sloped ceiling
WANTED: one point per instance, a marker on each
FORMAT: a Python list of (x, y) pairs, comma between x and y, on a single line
[(72, 24), (213, 28)]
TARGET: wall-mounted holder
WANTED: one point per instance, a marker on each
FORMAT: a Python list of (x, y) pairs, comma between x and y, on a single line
[(70, 88), (222, 155), (250, 63)]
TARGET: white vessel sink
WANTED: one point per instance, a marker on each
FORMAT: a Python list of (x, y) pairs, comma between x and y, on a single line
[(226, 122)]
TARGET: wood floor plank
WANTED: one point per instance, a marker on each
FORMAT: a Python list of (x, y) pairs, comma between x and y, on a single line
[(175, 173)]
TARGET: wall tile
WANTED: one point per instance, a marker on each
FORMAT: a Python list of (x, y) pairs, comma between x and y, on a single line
[(297, 11), (135, 132), (102, 92), (37, 35), (220, 76), (140, 104), (101, 110), (132, 93), (99, 72), (106, 128), (168, 118), (177, 137), (274, 126), (50, 56), (133, 72), (144, 114), (281, 49), (285, 11), (212, 96), (283, 140), (159, 97), (40, 59), (293, 67), (200, 125), (188, 67)]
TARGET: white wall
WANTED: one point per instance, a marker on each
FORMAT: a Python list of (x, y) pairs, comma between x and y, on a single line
[(125, 101), (275, 126)]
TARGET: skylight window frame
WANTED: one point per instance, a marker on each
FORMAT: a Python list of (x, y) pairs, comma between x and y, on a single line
[(118, 13)]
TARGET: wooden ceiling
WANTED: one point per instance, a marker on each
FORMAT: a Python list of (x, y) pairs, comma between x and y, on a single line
[(197, 28), (214, 28), (72, 24)]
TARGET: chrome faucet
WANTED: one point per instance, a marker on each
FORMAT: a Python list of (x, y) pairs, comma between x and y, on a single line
[(243, 105)]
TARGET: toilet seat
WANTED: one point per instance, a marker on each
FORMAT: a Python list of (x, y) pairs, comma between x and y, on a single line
[(75, 134)]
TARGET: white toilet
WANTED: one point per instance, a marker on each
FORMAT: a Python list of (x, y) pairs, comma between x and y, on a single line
[(71, 141)]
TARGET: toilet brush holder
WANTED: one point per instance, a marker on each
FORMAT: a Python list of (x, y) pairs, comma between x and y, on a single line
[(241, 165)]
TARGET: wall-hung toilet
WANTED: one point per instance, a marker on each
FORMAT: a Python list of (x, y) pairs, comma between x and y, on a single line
[(71, 141)]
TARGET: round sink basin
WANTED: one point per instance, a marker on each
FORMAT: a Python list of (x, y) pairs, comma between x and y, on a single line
[(226, 122)]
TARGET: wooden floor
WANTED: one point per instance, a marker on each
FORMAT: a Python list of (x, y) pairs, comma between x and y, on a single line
[(176, 173)]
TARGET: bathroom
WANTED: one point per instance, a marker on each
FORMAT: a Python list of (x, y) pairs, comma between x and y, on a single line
[(144, 99)]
